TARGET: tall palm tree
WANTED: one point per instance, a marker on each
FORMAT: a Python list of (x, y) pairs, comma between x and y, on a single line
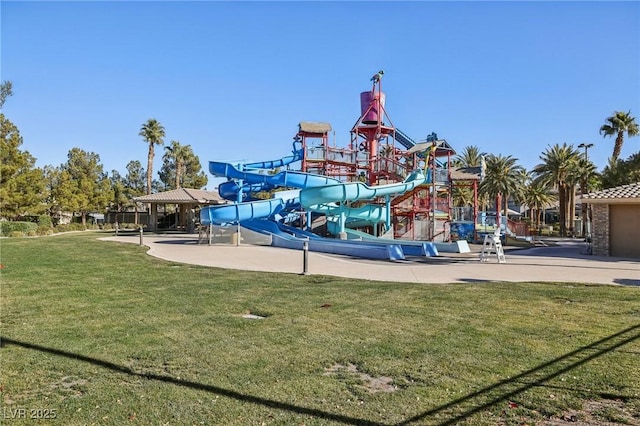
[(619, 124), (153, 133), (582, 171), (555, 171), (503, 178), (179, 154)]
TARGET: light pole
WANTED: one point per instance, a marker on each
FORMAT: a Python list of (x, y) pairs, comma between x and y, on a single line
[(586, 215), (586, 147)]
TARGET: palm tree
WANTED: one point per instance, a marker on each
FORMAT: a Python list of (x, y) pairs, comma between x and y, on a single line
[(619, 124), (582, 171), (153, 133), (503, 178), (179, 154), (554, 171), (470, 157), (537, 197), (621, 172)]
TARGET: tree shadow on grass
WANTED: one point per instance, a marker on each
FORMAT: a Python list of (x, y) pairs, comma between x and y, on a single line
[(194, 385), (452, 412), (507, 389)]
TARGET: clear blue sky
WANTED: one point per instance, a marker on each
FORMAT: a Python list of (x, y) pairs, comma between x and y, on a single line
[(234, 79)]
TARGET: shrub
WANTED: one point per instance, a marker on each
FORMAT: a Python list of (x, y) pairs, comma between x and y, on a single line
[(44, 221), (45, 231), (129, 226), (6, 228), (16, 234), (70, 227)]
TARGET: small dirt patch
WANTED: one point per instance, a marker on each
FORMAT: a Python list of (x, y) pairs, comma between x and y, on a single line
[(606, 412), (370, 383)]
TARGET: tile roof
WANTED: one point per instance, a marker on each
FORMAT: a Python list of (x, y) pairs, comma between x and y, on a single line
[(314, 127), (624, 193), (465, 173), (183, 195)]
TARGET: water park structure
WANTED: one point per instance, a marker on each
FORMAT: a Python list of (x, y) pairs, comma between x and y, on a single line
[(384, 196)]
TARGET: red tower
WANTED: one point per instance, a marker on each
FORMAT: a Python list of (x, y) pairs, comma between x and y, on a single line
[(373, 130)]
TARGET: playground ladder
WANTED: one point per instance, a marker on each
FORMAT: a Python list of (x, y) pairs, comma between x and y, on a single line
[(492, 243)]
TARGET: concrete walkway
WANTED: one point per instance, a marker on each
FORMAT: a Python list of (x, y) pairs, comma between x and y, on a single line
[(565, 261)]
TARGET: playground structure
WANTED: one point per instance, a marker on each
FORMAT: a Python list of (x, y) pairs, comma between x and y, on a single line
[(380, 153), (384, 196)]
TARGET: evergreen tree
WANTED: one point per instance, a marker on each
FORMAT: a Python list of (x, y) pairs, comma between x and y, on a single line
[(22, 185), (134, 181), (83, 187), (120, 199)]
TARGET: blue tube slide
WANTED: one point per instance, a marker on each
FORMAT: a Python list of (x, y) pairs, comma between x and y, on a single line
[(314, 197), (229, 190), (230, 213), (286, 178), (298, 155), (358, 249), (256, 181), (369, 213), (410, 248), (320, 198)]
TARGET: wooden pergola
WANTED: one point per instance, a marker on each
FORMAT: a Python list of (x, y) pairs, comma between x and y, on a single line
[(186, 199)]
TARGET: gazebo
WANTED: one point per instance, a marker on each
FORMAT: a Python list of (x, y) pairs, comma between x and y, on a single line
[(187, 199)]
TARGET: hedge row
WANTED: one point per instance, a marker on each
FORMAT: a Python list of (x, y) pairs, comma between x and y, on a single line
[(32, 229), (9, 229)]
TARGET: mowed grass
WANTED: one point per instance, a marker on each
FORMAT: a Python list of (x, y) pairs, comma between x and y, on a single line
[(98, 332)]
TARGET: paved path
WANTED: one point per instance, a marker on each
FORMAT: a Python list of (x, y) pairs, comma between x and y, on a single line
[(564, 262)]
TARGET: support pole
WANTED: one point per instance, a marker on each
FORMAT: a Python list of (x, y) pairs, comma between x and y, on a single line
[(141, 237), (305, 258)]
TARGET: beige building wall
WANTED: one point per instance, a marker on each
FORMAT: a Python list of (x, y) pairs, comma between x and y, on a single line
[(615, 230)]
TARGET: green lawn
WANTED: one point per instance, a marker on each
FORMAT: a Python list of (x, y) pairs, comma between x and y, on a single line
[(100, 333)]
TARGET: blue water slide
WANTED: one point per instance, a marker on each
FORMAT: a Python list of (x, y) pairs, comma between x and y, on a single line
[(323, 198), (410, 248), (255, 181), (298, 155), (286, 178), (284, 239), (315, 197), (229, 190), (369, 213), (230, 213)]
